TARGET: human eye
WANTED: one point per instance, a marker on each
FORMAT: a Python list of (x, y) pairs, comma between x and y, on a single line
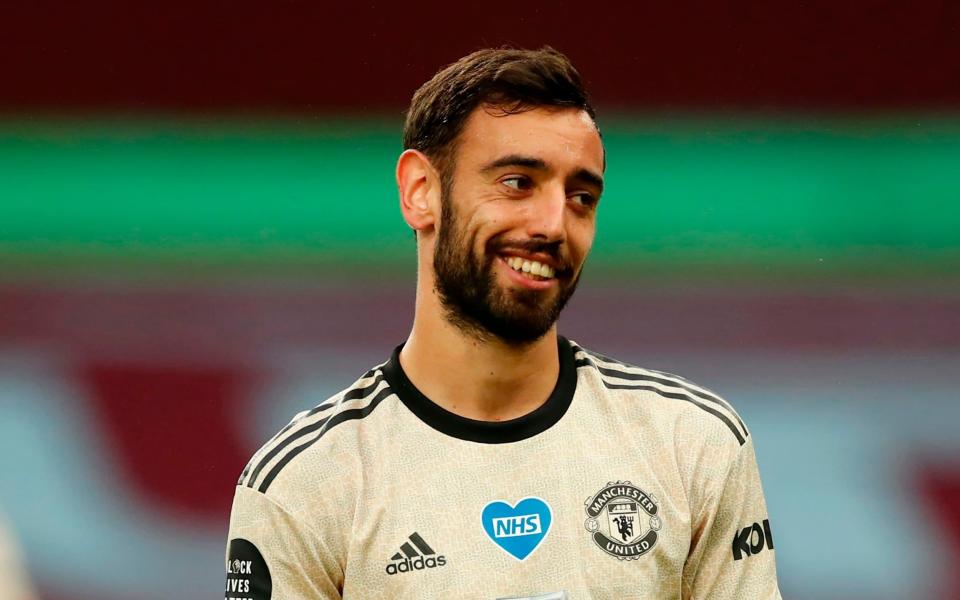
[(517, 183), (584, 199)]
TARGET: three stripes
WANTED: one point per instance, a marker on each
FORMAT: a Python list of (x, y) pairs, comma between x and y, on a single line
[(410, 552), (308, 427), (617, 375)]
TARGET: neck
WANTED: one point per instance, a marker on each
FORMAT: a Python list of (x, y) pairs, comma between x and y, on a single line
[(481, 379)]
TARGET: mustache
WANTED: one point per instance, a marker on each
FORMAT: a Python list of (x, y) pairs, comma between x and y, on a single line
[(553, 249)]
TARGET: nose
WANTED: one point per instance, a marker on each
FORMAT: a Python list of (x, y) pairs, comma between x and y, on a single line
[(547, 214)]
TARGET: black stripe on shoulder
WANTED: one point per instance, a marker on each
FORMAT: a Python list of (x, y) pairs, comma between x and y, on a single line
[(583, 362), (351, 394), (668, 380), (357, 393), (323, 426), (679, 396)]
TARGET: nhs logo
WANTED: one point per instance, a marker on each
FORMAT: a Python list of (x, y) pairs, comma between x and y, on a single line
[(519, 525), (517, 529)]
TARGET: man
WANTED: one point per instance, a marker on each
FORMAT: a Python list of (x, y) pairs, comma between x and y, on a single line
[(489, 457)]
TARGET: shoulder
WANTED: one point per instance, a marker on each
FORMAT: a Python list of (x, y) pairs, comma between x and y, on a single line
[(310, 434), (698, 409)]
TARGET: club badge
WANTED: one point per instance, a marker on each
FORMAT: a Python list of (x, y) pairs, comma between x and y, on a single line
[(622, 519)]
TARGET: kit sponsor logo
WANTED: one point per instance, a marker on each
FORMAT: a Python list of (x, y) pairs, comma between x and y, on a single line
[(414, 555), (752, 539)]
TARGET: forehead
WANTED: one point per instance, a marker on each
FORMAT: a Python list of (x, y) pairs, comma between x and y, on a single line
[(564, 138)]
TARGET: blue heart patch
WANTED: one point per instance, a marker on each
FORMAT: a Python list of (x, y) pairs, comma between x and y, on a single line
[(519, 529)]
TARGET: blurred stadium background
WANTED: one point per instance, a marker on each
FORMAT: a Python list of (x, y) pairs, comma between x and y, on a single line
[(199, 237)]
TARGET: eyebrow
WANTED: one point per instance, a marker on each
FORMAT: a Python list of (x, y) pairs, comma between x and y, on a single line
[(515, 160), (530, 162), (589, 177)]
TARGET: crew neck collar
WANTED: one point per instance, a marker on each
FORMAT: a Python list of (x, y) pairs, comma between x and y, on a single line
[(488, 432)]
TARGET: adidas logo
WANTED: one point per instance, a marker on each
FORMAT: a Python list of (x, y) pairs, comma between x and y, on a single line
[(415, 555)]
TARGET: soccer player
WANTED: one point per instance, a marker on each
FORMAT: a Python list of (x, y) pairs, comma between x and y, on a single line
[(490, 457)]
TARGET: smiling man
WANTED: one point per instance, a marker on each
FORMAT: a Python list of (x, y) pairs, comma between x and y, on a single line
[(490, 457)]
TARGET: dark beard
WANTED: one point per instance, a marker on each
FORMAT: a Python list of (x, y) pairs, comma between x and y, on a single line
[(473, 301)]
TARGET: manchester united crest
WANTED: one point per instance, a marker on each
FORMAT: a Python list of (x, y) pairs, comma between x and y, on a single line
[(622, 519)]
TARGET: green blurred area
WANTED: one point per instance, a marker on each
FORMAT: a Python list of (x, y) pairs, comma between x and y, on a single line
[(816, 194)]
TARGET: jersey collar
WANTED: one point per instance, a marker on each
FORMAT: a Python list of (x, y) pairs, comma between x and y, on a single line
[(488, 432)]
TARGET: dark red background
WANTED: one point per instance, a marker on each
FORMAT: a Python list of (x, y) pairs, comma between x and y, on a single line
[(299, 56)]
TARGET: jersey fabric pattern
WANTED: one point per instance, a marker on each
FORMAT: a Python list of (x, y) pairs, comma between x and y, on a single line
[(625, 483)]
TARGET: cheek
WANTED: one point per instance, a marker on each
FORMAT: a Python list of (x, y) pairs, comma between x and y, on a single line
[(490, 221), (581, 237)]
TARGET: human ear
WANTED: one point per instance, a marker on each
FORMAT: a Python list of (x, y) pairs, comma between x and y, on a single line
[(419, 187)]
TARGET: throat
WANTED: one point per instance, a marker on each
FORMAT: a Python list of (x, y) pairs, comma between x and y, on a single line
[(483, 381), (500, 400)]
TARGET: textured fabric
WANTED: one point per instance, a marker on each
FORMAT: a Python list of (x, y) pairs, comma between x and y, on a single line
[(644, 485), (14, 583)]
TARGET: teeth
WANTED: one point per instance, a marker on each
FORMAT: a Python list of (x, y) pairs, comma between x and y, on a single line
[(531, 266)]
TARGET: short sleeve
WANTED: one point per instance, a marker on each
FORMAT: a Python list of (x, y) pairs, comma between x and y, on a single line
[(14, 584), (273, 555), (732, 551)]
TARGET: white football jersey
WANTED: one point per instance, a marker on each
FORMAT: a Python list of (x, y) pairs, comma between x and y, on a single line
[(625, 483)]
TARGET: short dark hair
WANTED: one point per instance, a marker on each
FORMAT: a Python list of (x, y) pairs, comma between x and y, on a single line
[(510, 79)]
